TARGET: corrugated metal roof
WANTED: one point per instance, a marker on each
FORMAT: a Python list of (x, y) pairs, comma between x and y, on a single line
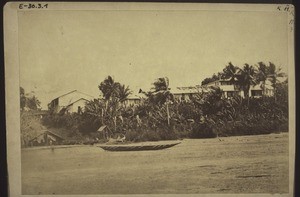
[(73, 92), (136, 96), (185, 90)]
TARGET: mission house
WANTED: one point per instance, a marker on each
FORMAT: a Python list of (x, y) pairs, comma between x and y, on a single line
[(70, 102), (229, 89)]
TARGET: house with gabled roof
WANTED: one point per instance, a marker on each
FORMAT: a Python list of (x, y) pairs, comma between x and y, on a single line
[(46, 138), (71, 102)]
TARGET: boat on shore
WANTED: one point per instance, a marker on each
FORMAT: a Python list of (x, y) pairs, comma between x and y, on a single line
[(134, 147)]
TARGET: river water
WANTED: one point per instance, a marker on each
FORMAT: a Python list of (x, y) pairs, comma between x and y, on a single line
[(244, 164)]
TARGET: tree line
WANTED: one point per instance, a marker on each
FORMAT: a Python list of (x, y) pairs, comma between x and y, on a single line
[(207, 114), (249, 75)]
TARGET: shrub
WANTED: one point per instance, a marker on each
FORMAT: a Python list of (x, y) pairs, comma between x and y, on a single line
[(202, 130), (75, 122)]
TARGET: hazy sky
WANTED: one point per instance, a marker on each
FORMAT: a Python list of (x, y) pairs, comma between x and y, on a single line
[(60, 51)]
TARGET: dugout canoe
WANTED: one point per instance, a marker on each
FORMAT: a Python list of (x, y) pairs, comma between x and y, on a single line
[(137, 147)]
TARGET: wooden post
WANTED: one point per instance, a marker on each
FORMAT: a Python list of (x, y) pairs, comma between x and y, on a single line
[(102, 116), (168, 113), (115, 123)]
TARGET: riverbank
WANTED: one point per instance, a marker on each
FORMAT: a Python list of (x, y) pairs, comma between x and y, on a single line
[(244, 164)]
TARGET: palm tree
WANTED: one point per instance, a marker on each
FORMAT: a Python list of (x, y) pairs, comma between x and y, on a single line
[(230, 72), (273, 75), (161, 84), (109, 88), (113, 93), (161, 94), (161, 91), (246, 79), (123, 93), (262, 75)]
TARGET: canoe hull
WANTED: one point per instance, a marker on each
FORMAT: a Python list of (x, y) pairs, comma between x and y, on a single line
[(137, 147)]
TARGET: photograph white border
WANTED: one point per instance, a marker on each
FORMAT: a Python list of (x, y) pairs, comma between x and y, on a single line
[(12, 76)]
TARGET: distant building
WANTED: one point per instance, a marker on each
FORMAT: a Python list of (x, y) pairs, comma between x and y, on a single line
[(46, 138), (35, 113), (71, 102), (230, 89), (184, 93), (133, 100)]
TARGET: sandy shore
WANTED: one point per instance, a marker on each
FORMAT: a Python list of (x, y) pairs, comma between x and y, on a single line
[(247, 164)]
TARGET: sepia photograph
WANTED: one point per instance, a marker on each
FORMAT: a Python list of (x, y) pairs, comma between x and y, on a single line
[(150, 98)]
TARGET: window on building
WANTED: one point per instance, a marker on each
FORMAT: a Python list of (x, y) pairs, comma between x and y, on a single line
[(55, 102), (232, 93), (182, 97), (256, 93), (79, 110), (269, 92)]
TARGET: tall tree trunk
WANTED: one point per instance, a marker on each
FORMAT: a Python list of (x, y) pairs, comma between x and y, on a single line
[(246, 94), (168, 114), (102, 114), (115, 123), (275, 93), (264, 87)]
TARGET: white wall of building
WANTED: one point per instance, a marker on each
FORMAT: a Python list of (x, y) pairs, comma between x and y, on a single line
[(74, 107), (70, 98)]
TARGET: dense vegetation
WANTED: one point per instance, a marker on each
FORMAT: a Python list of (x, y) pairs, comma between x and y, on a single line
[(28, 101), (206, 114)]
